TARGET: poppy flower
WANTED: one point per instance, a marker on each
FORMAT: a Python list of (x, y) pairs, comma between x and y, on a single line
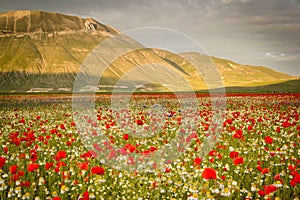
[(249, 128), (152, 148), (25, 184), (131, 148), (259, 168), (2, 161), (212, 153), (209, 173), (33, 156), (83, 166), (269, 189), (197, 161), (261, 192), (167, 170), (21, 173), (13, 169), (234, 154), (5, 149), (86, 195), (278, 129), (49, 165), (60, 155), (61, 126), (126, 136), (295, 180), (32, 167), (238, 134), (17, 141), (97, 170), (292, 167), (268, 140), (139, 122), (238, 160), (265, 170), (53, 131)]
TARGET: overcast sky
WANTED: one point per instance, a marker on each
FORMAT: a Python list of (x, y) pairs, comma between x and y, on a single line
[(256, 32)]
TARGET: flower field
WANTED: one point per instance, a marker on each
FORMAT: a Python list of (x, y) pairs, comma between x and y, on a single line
[(257, 155)]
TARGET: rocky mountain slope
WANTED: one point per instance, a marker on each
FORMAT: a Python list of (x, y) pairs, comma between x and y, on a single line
[(42, 52)]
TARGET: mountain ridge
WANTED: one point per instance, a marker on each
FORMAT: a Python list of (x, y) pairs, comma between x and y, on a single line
[(41, 49)]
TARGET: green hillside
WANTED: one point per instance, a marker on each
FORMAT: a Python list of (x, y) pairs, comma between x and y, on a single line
[(43, 52)]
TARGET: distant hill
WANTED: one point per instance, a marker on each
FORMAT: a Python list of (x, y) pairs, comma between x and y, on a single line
[(43, 51)]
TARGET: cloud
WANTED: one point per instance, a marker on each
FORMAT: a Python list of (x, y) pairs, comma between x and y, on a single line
[(282, 56)]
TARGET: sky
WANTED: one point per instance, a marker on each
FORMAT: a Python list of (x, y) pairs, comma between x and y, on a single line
[(254, 32)]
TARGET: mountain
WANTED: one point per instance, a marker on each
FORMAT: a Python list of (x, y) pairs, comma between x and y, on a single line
[(43, 51)]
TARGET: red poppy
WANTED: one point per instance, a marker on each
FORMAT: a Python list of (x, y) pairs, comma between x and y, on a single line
[(209, 173), (32, 167), (265, 170), (83, 166), (249, 128), (238, 134), (17, 141), (25, 184), (292, 167), (53, 131), (60, 155), (97, 170), (86, 195), (2, 161), (69, 143), (21, 173), (278, 129), (131, 148), (60, 164), (126, 136), (212, 153), (139, 122), (238, 160), (48, 165), (234, 154), (270, 189), (167, 170), (261, 192), (295, 180), (197, 161), (13, 169), (88, 155), (259, 168), (33, 156), (56, 198), (5, 149), (61, 126), (15, 177), (268, 140), (277, 177), (152, 148)]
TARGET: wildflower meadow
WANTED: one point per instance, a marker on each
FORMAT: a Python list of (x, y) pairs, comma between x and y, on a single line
[(256, 155)]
